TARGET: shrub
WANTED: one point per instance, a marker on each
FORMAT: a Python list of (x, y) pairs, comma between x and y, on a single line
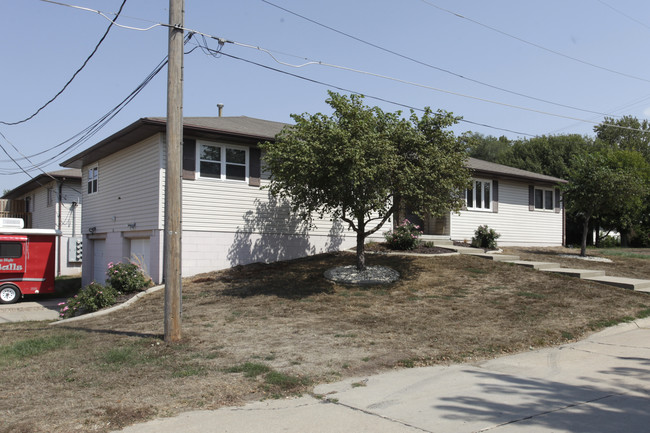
[(403, 237), (127, 277), (485, 237), (91, 298)]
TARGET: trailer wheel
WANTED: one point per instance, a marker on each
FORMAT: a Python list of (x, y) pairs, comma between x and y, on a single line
[(9, 294)]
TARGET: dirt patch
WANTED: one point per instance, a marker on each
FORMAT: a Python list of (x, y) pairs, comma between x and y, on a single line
[(421, 248), (268, 330)]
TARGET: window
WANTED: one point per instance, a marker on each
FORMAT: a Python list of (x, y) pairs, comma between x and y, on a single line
[(223, 162), (50, 196), (544, 199), (479, 196), (92, 180), (11, 250)]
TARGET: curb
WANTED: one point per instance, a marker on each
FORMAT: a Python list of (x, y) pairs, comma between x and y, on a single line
[(111, 309)]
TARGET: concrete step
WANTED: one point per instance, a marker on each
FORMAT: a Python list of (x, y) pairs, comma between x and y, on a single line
[(437, 241), (535, 265), (494, 257), (578, 273), (624, 282)]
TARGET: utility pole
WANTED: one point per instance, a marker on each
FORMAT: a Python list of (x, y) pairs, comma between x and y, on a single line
[(173, 228)]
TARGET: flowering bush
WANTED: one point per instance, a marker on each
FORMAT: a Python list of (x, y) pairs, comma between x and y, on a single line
[(403, 237), (485, 237), (127, 277), (91, 298)]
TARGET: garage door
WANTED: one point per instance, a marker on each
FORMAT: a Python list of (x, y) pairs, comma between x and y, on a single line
[(140, 253), (99, 264)]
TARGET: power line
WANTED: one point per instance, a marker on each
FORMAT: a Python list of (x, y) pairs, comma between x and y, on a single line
[(88, 132), (624, 14), (73, 75), (437, 68), (217, 53), (533, 44)]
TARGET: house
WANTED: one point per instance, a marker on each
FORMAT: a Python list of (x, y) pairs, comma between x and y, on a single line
[(525, 208), (228, 219), (53, 201)]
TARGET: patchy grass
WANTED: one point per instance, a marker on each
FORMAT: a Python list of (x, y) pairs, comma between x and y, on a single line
[(269, 330)]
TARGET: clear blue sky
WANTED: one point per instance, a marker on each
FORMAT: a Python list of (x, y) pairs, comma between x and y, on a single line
[(43, 44)]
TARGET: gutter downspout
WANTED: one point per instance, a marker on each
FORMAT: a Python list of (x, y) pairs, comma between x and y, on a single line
[(60, 238)]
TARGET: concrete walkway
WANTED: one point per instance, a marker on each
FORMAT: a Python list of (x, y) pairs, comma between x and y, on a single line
[(601, 384), (31, 309), (598, 276)]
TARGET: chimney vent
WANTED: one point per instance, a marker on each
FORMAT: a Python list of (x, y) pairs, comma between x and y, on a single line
[(220, 106)]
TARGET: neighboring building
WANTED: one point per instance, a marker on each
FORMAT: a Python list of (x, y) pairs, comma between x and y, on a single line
[(229, 220), (525, 208), (53, 201)]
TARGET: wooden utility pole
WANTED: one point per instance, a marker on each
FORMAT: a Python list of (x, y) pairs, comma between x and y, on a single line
[(173, 228)]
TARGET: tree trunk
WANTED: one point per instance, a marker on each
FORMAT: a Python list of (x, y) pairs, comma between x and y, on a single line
[(585, 232), (361, 238)]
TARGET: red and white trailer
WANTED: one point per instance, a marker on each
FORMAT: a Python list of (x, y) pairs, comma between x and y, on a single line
[(27, 260)]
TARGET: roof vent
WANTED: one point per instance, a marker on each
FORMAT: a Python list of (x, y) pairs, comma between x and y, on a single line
[(220, 106)]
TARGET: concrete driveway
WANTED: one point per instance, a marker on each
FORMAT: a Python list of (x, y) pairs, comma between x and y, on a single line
[(31, 308), (601, 384)]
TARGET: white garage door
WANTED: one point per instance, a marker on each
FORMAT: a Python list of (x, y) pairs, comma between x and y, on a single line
[(140, 253), (99, 264)]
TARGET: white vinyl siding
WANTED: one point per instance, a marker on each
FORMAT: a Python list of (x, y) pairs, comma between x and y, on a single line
[(516, 224), (129, 192)]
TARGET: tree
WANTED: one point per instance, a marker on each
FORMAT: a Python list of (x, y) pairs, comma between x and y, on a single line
[(359, 164), (598, 186), (626, 133)]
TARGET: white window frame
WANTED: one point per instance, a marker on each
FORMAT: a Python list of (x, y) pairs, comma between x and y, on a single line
[(472, 205), (545, 203), (93, 180), (50, 197), (223, 162)]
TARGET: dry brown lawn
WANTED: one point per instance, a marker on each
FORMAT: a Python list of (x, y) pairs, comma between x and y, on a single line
[(264, 331)]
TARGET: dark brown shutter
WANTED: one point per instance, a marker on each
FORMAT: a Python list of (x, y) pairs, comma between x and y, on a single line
[(189, 159), (557, 200), (531, 197), (255, 171), (495, 196)]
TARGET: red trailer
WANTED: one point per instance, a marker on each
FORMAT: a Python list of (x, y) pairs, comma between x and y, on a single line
[(27, 261)]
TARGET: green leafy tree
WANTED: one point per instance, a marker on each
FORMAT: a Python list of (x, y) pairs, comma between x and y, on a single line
[(598, 185), (359, 164), (626, 133), (486, 147)]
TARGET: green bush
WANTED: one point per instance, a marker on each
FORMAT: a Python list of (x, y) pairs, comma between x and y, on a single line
[(91, 298), (485, 237), (404, 237), (127, 277)]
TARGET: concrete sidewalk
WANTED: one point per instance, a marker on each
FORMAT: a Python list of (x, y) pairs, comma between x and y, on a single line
[(30, 309), (601, 384)]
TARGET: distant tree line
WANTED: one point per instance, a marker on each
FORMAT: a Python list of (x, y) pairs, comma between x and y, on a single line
[(609, 175)]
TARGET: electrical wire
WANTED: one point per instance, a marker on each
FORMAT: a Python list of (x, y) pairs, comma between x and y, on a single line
[(73, 75), (88, 132), (437, 68), (219, 53), (533, 44), (103, 15), (223, 41), (624, 14)]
